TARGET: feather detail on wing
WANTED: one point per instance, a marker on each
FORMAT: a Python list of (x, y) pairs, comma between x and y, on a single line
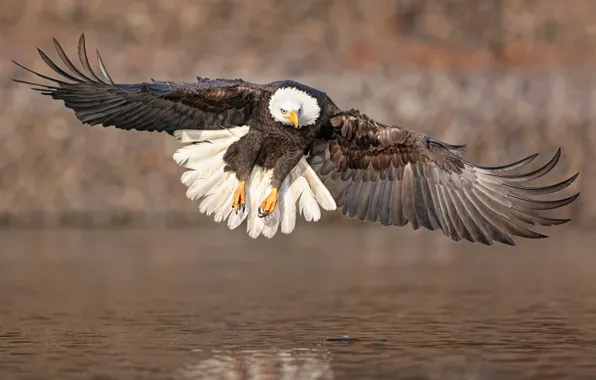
[(395, 176), (149, 106)]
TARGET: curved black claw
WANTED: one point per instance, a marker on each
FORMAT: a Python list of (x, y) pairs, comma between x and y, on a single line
[(241, 207), (268, 205), (263, 213), (239, 198)]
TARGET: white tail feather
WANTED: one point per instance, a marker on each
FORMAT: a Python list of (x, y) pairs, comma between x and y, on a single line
[(301, 191), (287, 206), (319, 190), (307, 205), (202, 185)]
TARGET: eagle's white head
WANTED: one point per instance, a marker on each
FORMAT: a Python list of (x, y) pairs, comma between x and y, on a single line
[(291, 106)]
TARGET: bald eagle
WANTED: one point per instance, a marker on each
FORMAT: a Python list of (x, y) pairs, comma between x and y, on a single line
[(267, 153)]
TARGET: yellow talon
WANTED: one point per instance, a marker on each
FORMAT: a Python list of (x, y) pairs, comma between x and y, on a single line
[(239, 198), (268, 204)]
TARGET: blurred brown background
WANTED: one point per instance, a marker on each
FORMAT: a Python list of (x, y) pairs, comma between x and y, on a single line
[(507, 77)]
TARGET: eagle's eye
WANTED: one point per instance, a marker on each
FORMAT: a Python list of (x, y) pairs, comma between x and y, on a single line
[(283, 111)]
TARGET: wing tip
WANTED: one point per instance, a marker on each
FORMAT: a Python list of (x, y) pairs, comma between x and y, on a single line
[(568, 200), (82, 39), (508, 167), (562, 221), (537, 173), (72, 73), (509, 242)]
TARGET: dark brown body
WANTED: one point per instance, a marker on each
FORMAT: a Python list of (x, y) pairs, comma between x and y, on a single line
[(273, 145)]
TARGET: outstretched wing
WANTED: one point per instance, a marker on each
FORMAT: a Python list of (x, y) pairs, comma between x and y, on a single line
[(395, 176), (154, 106)]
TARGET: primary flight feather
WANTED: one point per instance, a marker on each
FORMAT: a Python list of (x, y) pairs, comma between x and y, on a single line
[(267, 153)]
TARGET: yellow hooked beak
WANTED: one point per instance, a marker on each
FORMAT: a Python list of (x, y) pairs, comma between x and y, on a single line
[(293, 117)]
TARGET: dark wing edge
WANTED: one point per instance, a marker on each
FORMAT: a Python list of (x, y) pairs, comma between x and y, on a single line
[(155, 106), (395, 176)]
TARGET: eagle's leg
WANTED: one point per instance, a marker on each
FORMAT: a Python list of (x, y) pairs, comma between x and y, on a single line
[(282, 168), (240, 158), (239, 198), (269, 203)]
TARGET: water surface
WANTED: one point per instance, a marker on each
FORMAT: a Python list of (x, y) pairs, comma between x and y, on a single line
[(213, 304)]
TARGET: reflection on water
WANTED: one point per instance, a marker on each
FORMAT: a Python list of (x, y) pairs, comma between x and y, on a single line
[(294, 364), (214, 304)]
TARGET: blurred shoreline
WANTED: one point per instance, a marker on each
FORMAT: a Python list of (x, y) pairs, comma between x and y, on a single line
[(507, 78)]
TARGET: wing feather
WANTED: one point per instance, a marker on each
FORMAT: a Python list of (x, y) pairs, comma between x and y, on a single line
[(149, 106), (82, 53), (388, 174)]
